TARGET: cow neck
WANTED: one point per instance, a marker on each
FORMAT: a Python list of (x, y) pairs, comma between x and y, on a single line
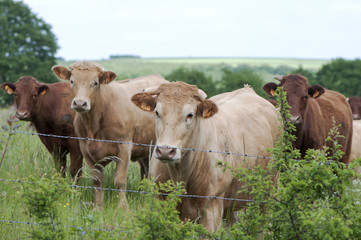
[(92, 120), (44, 115), (194, 164)]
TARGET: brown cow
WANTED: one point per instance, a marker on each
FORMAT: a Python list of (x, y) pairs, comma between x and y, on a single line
[(355, 104), (313, 109), (104, 111), (242, 123), (47, 106)]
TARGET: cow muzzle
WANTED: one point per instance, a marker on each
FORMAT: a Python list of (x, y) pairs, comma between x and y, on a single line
[(22, 115), (167, 154), (356, 117), (80, 105), (296, 120)]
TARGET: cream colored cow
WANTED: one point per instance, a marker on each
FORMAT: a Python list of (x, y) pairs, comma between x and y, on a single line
[(105, 112), (356, 140), (239, 122)]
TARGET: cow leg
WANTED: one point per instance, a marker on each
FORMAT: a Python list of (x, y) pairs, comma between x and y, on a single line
[(76, 164), (120, 174), (97, 172), (212, 217), (60, 162), (144, 167)]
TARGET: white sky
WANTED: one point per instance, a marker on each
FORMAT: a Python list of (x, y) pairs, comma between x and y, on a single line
[(93, 30)]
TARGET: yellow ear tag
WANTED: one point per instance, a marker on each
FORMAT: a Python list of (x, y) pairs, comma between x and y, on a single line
[(272, 92), (8, 90), (43, 92), (316, 94)]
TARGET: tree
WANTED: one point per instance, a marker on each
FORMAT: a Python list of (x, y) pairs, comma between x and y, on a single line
[(194, 77), (235, 79), (341, 75), (27, 46)]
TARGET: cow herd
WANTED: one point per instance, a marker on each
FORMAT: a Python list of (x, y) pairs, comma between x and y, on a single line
[(237, 126)]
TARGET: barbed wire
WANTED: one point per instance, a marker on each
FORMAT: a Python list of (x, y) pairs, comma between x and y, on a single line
[(131, 143), (150, 145), (141, 192)]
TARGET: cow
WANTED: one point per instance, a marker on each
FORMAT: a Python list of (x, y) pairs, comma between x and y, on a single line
[(356, 140), (104, 112), (314, 111), (240, 122), (47, 107), (355, 104)]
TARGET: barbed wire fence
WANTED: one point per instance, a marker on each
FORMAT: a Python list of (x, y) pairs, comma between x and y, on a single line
[(81, 228)]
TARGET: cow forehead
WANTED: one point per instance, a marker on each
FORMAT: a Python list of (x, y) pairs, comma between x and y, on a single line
[(295, 84), (26, 84), (85, 70), (178, 93)]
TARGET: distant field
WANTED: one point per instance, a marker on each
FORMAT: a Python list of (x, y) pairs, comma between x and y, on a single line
[(134, 67)]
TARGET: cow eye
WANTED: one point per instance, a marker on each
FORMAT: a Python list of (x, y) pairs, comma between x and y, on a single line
[(157, 114), (71, 82), (34, 95), (96, 84), (189, 116)]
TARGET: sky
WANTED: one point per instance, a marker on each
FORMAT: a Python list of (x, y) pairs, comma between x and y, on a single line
[(94, 30)]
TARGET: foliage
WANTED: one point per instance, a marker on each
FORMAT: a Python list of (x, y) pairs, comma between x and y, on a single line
[(159, 219), (195, 77), (341, 75), (42, 203), (27, 46), (312, 199), (235, 79)]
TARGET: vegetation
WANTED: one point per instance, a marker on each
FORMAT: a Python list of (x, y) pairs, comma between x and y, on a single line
[(341, 75), (27, 46)]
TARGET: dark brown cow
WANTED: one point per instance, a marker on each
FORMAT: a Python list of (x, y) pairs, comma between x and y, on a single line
[(47, 106), (355, 104), (313, 109)]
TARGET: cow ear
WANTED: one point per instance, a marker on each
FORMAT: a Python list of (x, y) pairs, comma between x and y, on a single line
[(316, 90), (62, 72), (144, 101), (43, 89), (8, 87), (270, 88), (206, 109), (106, 77)]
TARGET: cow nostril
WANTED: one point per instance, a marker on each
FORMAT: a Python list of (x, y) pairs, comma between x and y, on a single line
[(84, 104), (172, 152), (157, 150)]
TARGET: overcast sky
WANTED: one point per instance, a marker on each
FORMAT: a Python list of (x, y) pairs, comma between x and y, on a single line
[(93, 30)]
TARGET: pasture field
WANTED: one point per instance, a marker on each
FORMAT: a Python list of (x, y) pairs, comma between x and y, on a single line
[(135, 67)]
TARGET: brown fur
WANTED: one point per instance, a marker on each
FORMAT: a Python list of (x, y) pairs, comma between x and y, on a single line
[(312, 109), (47, 106), (106, 112), (355, 104), (243, 122)]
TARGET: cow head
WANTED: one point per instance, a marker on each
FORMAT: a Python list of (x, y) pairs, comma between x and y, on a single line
[(298, 92), (27, 92), (177, 107), (85, 78), (355, 104)]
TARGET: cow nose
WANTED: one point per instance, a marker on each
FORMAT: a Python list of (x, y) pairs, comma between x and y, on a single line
[(165, 153), (296, 119), (22, 115), (80, 104)]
